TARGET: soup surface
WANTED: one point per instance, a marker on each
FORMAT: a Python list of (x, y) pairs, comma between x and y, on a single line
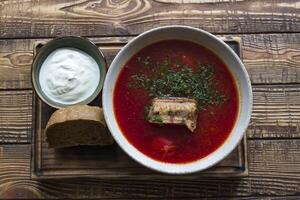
[(166, 61)]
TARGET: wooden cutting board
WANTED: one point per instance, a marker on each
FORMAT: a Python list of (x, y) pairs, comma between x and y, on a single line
[(110, 162)]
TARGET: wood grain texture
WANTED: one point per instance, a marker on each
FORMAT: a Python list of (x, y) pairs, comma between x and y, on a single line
[(274, 170), (15, 116), (273, 58), (276, 111), (22, 19), (293, 197), (15, 63)]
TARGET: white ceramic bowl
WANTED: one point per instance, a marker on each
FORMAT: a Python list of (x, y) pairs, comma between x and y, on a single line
[(207, 40)]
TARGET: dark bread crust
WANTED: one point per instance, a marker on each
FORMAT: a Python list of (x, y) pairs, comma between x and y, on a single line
[(77, 125)]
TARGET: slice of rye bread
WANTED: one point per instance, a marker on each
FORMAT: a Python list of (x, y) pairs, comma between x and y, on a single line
[(77, 125)]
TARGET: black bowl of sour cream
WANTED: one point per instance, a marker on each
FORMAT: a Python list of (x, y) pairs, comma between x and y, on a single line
[(68, 71)]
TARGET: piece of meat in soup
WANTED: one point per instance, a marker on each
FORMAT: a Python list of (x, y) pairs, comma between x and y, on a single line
[(174, 110)]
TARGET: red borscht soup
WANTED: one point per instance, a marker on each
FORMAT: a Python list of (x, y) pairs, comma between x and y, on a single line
[(176, 68)]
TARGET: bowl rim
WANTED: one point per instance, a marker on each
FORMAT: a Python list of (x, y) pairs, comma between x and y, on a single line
[(165, 169), (37, 57)]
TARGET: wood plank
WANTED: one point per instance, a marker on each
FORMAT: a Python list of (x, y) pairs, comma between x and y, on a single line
[(22, 19), (296, 197), (15, 63), (274, 170), (275, 114), (15, 116), (269, 156), (273, 58)]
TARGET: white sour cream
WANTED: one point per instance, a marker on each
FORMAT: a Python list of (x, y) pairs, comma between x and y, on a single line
[(69, 76)]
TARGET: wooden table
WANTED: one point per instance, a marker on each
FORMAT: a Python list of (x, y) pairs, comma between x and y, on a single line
[(270, 32)]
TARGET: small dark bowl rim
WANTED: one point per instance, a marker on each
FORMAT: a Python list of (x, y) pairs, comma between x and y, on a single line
[(53, 41)]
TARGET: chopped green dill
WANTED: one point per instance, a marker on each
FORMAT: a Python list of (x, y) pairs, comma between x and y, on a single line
[(144, 61), (156, 119), (168, 80), (171, 113)]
